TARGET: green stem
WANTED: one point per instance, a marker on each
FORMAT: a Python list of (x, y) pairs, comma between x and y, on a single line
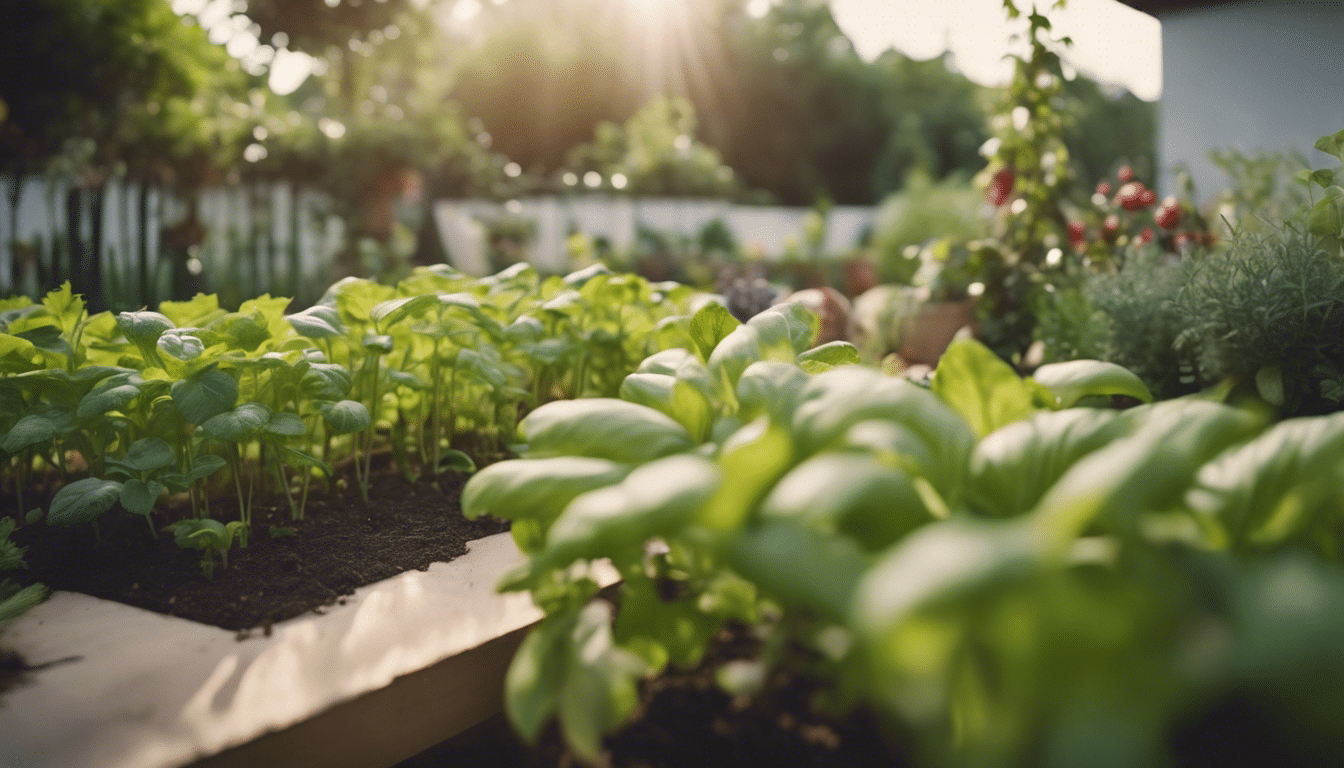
[(436, 418), (373, 429), (294, 513)]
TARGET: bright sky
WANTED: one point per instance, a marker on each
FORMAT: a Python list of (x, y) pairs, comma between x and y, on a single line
[(1112, 42)]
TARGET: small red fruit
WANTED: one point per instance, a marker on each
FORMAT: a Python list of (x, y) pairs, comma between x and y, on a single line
[(1129, 196), (1169, 215), (1000, 187), (1110, 227), (1184, 239), (1146, 236), (1126, 173), (1147, 197), (1104, 188), (1077, 232)]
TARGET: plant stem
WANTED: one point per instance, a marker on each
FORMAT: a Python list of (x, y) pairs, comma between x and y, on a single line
[(373, 429)]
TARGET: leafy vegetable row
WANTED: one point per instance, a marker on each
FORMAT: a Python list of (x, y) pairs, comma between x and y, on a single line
[(162, 401), (1006, 573)]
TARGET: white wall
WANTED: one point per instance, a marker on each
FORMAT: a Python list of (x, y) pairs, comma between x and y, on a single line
[(1252, 75), (766, 229)]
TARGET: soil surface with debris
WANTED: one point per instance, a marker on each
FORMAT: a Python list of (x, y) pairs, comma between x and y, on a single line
[(685, 719), (341, 544)]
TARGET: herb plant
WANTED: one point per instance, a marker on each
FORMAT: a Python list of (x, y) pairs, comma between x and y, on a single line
[(1006, 573)]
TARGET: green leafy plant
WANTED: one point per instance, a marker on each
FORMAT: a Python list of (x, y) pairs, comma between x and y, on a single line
[(14, 600), (211, 537)]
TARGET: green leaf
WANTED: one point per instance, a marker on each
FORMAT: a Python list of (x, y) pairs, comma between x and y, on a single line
[(711, 325), (148, 454), (655, 499), (199, 311), (854, 494), (297, 458), (201, 533), (456, 461), (832, 354), (179, 345), (377, 343), (536, 489), (66, 307), (600, 690), (1147, 471), (836, 401), (668, 361), (28, 431), (143, 328), (346, 416), (138, 497), (478, 366), (800, 566), (205, 395), (942, 559), (326, 381), (317, 322), (388, 313), (286, 424), (237, 425), (1332, 144), (47, 338), (1326, 218), (1274, 488), (982, 388), (1074, 380), (603, 428), (111, 394), (679, 399), (532, 684), (1013, 467), (83, 501), (752, 459)]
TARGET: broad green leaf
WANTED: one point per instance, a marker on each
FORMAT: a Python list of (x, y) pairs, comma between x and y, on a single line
[(48, 339), (30, 430), (770, 388), (1073, 380), (981, 387), (939, 560), (668, 361), (297, 458), (778, 334), (711, 325), (201, 310), (457, 461), (17, 354), (1326, 218), (205, 465), (388, 313), (1147, 471), (1013, 467), (480, 367), (1332, 144), (1286, 483), (180, 346), (205, 395), (830, 355), (751, 460), (799, 566), (655, 499), (600, 690), (138, 497), (377, 343), (238, 424), (326, 381), (581, 277), (83, 501), (837, 400), (64, 306), (345, 416), (317, 322), (148, 454), (286, 424), (679, 399), (663, 630), (113, 393), (603, 428), (532, 684), (201, 533), (849, 493), (536, 488), (143, 328)]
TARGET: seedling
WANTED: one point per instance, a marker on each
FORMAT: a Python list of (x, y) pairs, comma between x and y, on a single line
[(211, 537)]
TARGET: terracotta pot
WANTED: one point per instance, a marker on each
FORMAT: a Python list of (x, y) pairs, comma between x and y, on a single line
[(926, 333)]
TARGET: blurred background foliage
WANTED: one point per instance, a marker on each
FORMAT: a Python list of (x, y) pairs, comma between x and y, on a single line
[(146, 88)]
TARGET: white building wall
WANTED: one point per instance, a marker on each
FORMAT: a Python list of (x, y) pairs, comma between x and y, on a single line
[(1263, 75)]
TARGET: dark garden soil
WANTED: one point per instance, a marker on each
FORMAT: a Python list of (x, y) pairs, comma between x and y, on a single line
[(685, 719), (342, 543)]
